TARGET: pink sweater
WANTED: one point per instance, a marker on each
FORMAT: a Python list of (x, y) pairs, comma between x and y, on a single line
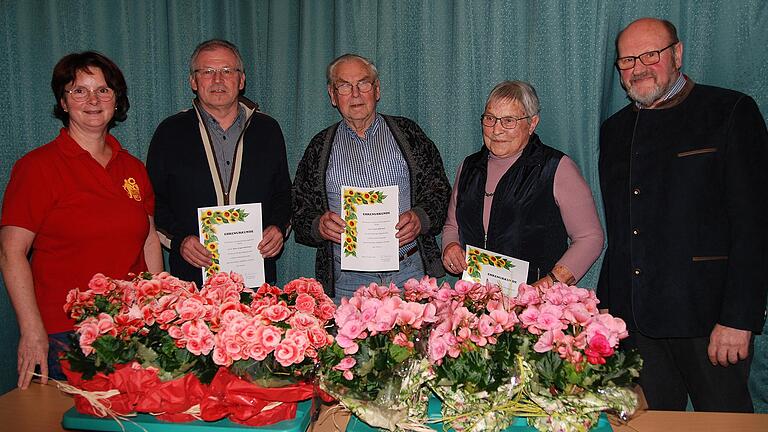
[(572, 195)]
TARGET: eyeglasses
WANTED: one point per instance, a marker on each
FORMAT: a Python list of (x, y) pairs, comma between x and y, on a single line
[(82, 94), (346, 88), (226, 72), (506, 122), (646, 58)]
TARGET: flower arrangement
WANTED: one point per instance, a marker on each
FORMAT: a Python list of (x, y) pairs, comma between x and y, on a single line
[(546, 355), (374, 367), (157, 325), (276, 339)]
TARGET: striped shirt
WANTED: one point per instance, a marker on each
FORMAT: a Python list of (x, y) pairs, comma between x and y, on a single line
[(369, 162), (224, 141)]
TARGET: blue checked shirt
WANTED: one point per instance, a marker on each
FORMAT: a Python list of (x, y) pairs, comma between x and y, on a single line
[(369, 162)]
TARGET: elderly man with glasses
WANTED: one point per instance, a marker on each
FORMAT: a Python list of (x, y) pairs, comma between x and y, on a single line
[(222, 151), (682, 170), (369, 149)]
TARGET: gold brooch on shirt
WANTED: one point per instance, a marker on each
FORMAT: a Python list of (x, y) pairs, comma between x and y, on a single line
[(132, 188)]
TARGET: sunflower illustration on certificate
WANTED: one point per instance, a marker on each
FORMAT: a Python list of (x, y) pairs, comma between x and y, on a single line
[(484, 266), (232, 235), (368, 242)]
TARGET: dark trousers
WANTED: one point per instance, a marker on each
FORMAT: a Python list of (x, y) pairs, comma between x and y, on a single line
[(677, 368)]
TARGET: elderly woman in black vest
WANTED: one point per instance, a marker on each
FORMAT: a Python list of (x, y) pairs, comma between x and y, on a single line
[(522, 198)]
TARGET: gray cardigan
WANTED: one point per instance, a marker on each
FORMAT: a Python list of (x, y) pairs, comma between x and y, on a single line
[(430, 193)]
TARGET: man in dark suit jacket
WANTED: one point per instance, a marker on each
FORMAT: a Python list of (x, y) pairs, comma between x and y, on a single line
[(221, 152), (682, 170)]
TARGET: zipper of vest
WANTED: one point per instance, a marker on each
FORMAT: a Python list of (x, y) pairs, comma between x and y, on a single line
[(485, 240)]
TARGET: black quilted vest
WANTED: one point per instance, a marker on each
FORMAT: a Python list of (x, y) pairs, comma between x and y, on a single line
[(525, 221)]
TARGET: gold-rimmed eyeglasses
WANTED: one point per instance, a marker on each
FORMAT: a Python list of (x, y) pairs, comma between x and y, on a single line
[(81, 94)]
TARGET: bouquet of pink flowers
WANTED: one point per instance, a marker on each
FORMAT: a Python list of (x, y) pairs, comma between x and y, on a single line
[(168, 327), (276, 338), (546, 355), (374, 367)]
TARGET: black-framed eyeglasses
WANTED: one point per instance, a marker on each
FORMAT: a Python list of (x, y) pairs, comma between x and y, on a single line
[(225, 72), (346, 88), (506, 122), (81, 94), (646, 58)]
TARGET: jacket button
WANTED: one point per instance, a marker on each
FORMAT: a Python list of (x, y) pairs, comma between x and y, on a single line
[(636, 272), (636, 191), (635, 231)]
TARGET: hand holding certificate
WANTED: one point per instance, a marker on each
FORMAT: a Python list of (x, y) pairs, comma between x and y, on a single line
[(232, 235), (368, 242), (489, 267)]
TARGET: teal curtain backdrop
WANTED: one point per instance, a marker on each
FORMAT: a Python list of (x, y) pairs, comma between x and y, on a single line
[(437, 59)]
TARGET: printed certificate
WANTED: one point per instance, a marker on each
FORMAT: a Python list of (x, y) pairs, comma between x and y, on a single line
[(232, 235), (368, 242), (484, 266)]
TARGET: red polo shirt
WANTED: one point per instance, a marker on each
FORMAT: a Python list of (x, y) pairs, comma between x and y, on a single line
[(87, 219)]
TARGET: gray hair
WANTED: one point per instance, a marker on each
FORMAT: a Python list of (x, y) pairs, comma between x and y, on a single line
[(519, 91), (330, 71), (212, 44)]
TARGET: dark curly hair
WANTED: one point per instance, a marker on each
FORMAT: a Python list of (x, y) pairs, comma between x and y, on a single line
[(66, 70)]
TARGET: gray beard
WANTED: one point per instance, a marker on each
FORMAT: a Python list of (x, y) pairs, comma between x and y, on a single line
[(649, 98)]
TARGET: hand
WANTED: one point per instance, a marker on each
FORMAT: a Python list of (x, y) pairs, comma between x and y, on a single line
[(195, 253), (728, 345), (453, 258), (408, 228), (33, 351), (544, 283), (271, 242), (331, 227)]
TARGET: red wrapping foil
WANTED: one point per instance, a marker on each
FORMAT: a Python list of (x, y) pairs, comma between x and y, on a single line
[(228, 396)]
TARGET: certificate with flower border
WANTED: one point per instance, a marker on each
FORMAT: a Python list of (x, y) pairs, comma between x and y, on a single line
[(232, 234), (484, 266), (368, 242)]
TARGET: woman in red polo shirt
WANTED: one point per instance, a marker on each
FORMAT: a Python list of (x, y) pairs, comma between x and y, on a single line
[(80, 204)]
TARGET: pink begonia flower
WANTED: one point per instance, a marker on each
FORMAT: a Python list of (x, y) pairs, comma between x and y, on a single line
[(166, 316), (302, 321), (527, 295), (149, 288), (175, 332), (249, 333), (486, 326), (276, 313), (299, 337), (462, 287), (437, 349), (598, 349), (345, 312), (305, 303), (576, 313), (269, 336), (88, 331), (318, 337), (325, 310), (190, 309), (401, 339), (529, 316), (232, 347), (258, 352), (346, 363), (100, 284), (106, 324), (220, 356), (351, 329), (288, 353)]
